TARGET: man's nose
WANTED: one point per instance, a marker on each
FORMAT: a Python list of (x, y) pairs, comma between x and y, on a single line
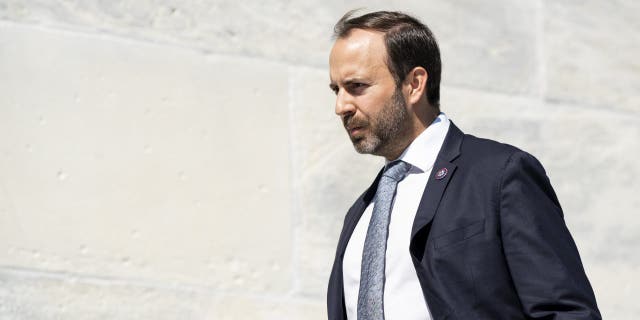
[(344, 104)]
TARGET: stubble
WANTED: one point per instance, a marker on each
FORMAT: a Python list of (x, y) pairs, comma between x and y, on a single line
[(385, 130)]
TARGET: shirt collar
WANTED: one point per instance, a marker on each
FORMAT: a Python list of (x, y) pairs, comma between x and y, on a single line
[(423, 151)]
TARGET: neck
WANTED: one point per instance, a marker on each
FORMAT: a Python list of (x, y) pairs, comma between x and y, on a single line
[(418, 124)]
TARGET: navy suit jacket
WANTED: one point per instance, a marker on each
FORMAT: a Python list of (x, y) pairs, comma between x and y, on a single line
[(489, 240)]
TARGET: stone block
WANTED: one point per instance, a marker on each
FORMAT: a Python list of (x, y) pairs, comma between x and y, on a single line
[(28, 295), (123, 159), (591, 50)]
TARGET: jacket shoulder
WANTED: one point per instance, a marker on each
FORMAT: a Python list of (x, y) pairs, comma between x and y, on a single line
[(487, 149)]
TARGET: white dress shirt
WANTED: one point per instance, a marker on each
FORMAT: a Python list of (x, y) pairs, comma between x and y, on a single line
[(403, 298)]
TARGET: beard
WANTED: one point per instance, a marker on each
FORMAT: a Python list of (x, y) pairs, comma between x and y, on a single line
[(382, 130)]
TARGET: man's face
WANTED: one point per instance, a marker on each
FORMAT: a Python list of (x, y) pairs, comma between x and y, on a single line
[(372, 109)]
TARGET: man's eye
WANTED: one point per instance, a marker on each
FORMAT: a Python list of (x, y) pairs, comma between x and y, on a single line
[(357, 87)]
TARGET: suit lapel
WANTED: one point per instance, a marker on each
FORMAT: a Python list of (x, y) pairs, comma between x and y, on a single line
[(436, 186), (336, 291), (354, 214)]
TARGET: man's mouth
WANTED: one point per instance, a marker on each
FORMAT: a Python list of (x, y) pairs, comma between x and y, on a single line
[(354, 130), (354, 126)]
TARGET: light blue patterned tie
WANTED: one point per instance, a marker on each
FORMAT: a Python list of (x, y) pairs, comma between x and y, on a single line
[(370, 306)]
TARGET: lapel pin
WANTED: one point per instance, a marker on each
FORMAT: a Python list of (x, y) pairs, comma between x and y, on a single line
[(441, 173)]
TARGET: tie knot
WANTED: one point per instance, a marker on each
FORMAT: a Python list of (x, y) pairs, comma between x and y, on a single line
[(397, 170)]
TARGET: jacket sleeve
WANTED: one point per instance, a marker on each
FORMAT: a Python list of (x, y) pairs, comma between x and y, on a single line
[(541, 255)]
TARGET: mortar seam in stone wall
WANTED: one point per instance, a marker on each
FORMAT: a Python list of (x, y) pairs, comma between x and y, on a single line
[(91, 279), (294, 212), (592, 107), (146, 41), (529, 95), (543, 100), (540, 40)]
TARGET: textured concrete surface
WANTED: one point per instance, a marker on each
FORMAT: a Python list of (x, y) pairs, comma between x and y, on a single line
[(591, 50), (182, 160)]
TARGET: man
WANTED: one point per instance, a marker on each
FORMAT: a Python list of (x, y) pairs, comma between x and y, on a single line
[(454, 226)]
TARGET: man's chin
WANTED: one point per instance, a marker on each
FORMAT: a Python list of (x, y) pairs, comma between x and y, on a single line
[(364, 146)]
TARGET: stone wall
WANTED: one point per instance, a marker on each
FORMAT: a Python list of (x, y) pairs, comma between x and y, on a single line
[(181, 159)]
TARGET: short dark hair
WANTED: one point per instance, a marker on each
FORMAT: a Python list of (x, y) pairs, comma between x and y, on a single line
[(409, 44)]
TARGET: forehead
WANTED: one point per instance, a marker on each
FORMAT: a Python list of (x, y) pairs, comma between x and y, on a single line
[(361, 53)]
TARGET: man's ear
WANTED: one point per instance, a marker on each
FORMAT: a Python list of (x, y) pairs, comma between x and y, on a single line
[(416, 84)]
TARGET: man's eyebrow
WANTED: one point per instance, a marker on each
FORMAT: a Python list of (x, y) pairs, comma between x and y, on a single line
[(348, 81)]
